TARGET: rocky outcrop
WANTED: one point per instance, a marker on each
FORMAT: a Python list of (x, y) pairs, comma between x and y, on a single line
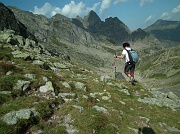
[(115, 30), (12, 117), (92, 22), (169, 100), (9, 21)]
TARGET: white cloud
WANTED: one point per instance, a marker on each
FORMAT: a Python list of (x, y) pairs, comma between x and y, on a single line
[(70, 10), (105, 5), (119, 1), (93, 8), (165, 16), (176, 10), (149, 19), (45, 10), (145, 2), (174, 15)]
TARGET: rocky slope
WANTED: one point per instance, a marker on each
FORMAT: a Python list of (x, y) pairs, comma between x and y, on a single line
[(44, 93)]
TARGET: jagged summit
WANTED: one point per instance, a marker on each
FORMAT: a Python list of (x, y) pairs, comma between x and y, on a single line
[(92, 17), (92, 22)]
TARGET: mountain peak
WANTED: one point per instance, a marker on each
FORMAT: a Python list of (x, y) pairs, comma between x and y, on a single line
[(92, 21), (92, 17)]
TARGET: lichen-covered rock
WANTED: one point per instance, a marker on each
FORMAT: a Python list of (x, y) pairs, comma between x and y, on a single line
[(105, 78), (22, 85), (101, 109), (12, 117), (80, 85), (47, 87)]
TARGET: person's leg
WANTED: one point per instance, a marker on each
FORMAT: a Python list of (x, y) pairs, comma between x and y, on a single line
[(132, 68), (127, 70), (132, 73)]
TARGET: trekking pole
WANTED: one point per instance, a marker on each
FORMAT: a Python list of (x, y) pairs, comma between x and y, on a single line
[(115, 66)]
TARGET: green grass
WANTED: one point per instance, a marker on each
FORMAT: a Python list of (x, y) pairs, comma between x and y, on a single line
[(158, 76), (124, 111), (5, 53)]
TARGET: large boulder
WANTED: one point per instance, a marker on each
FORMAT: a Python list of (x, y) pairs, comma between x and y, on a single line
[(12, 117)]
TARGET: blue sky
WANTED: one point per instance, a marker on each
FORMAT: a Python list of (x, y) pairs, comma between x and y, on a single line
[(134, 13)]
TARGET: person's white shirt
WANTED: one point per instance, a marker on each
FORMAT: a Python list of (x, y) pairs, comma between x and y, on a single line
[(124, 52)]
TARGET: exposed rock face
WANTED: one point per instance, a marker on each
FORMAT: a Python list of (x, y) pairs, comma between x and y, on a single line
[(9, 21), (92, 22), (115, 30)]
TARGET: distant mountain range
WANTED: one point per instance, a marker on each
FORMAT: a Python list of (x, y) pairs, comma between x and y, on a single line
[(90, 28)]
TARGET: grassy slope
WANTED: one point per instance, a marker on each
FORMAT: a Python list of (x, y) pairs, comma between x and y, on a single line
[(125, 113), (161, 69)]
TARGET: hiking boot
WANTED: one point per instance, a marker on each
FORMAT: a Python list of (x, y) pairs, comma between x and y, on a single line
[(132, 81)]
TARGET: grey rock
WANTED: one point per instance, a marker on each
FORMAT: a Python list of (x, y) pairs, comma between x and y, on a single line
[(172, 96), (66, 85), (80, 85), (9, 73), (105, 78), (23, 55), (63, 95), (173, 129), (47, 87), (30, 76), (81, 109), (38, 132), (124, 91), (38, 62), (12, 117), (100, 109), (5, 92), (22, 85)]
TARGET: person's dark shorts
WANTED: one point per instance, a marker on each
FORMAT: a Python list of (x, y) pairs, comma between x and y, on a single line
[(129, 69)]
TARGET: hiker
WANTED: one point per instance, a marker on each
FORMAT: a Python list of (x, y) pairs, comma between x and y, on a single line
[(129, 65)]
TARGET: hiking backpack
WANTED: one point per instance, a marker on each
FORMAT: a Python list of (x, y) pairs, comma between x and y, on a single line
[(133, 56)]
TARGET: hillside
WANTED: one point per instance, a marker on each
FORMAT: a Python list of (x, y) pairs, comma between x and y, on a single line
[(41, 93), (166, 31), (160, 70)]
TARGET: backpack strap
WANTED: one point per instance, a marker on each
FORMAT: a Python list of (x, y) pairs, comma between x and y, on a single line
[(130, 57)]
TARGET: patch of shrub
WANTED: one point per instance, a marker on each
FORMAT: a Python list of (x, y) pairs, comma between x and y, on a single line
[(45, 112), (6, 83), (4, 98), (22, 125), (5, 53), (5, 67), (6, 129), (99, 123)]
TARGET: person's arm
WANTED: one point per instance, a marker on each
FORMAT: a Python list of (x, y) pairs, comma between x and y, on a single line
[(121, 57)]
